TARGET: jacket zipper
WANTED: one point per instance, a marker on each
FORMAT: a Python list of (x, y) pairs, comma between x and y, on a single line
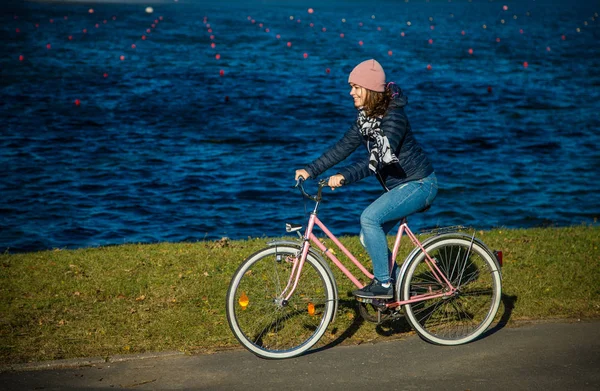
[(379, 178)]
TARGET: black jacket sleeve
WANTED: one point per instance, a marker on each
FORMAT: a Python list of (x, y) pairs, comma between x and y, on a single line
[(395, 126), (338, 152)]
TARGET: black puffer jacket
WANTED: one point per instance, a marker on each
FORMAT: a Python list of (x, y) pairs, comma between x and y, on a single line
[(413, 163)]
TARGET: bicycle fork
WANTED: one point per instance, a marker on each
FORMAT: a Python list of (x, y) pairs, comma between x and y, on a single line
[(297, 265)]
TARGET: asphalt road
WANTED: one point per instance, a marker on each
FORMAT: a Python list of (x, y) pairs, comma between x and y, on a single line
[(540, 356)]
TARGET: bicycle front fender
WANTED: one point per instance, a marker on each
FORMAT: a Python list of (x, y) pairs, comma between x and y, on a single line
[(319, 259)]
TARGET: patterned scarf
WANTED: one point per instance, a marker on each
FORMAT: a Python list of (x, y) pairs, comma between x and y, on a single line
[(381, 153)]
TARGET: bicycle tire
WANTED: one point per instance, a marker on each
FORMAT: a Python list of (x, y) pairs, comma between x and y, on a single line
[(464, 316), (266, 327)]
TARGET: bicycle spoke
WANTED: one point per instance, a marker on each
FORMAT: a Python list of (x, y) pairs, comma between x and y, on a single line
[(466, 313), (266, 324)]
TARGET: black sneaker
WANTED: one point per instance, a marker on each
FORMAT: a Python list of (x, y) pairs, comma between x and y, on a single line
[(375, 291)]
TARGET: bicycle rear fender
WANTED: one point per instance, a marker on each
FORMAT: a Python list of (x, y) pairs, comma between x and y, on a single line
[(319, 259), (458, 235)]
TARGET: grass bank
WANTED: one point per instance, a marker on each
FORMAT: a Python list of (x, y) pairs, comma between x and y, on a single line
[(170, 296)]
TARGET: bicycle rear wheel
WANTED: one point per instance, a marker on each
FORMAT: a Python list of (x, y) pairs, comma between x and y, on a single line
[(462, 317), (259, 318)]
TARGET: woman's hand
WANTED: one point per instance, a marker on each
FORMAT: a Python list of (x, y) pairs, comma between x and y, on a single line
[(302, 173), (336, 181)]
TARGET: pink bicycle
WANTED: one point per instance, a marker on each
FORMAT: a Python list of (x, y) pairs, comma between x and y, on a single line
[(282, 298)]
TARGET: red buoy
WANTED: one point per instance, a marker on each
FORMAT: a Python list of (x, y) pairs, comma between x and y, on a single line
[(431, 41), (428, 67), (360, 43), (470, 51), (390, 53), (218, 56), (48, 46), (489, 89), (327, 70), (310, 10), (525, 64), (289, 44), (77, 102), (212, 45), (21, 57), (143, 37), (342, 35), (222, 72), (305, 55), (122, 58), (133, 46)]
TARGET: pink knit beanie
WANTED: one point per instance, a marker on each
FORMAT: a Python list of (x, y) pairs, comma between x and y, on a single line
[(368, 74)]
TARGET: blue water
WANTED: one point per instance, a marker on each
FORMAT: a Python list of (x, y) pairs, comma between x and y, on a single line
[(165, 149)]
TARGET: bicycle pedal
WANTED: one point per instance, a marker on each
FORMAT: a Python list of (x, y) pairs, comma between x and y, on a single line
[(364, 300)]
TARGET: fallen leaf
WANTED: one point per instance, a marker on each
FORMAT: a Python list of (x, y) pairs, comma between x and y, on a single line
[(140, 298)]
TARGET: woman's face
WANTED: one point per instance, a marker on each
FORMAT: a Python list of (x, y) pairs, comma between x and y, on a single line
[(359, 94)]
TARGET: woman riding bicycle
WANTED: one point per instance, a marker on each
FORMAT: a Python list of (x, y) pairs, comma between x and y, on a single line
[(393, 156)]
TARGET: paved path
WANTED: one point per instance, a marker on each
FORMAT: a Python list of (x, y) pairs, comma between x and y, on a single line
[(542, 356)]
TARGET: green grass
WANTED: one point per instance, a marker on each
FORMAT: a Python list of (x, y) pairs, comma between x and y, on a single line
[(138, 298)]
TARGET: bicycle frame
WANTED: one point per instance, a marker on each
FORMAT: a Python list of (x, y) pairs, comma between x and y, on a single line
[(309, 237)]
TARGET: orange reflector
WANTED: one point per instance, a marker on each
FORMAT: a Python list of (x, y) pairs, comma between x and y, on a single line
[(311, 309), (244, 301)]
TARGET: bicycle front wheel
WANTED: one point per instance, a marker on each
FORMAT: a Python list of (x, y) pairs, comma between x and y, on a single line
[(257, 314), (462, 317)]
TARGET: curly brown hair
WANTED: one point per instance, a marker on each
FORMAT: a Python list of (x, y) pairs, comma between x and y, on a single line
[(376, 103)]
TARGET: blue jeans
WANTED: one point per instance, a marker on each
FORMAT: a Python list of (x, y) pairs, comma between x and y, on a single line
[(385, 212)]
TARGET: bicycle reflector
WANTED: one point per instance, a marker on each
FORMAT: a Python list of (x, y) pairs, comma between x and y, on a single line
[(244, 300), (498, 255), (311, 309)]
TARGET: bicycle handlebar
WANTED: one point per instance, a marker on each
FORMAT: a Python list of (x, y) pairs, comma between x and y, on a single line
[(318, 197), (300, 185)]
